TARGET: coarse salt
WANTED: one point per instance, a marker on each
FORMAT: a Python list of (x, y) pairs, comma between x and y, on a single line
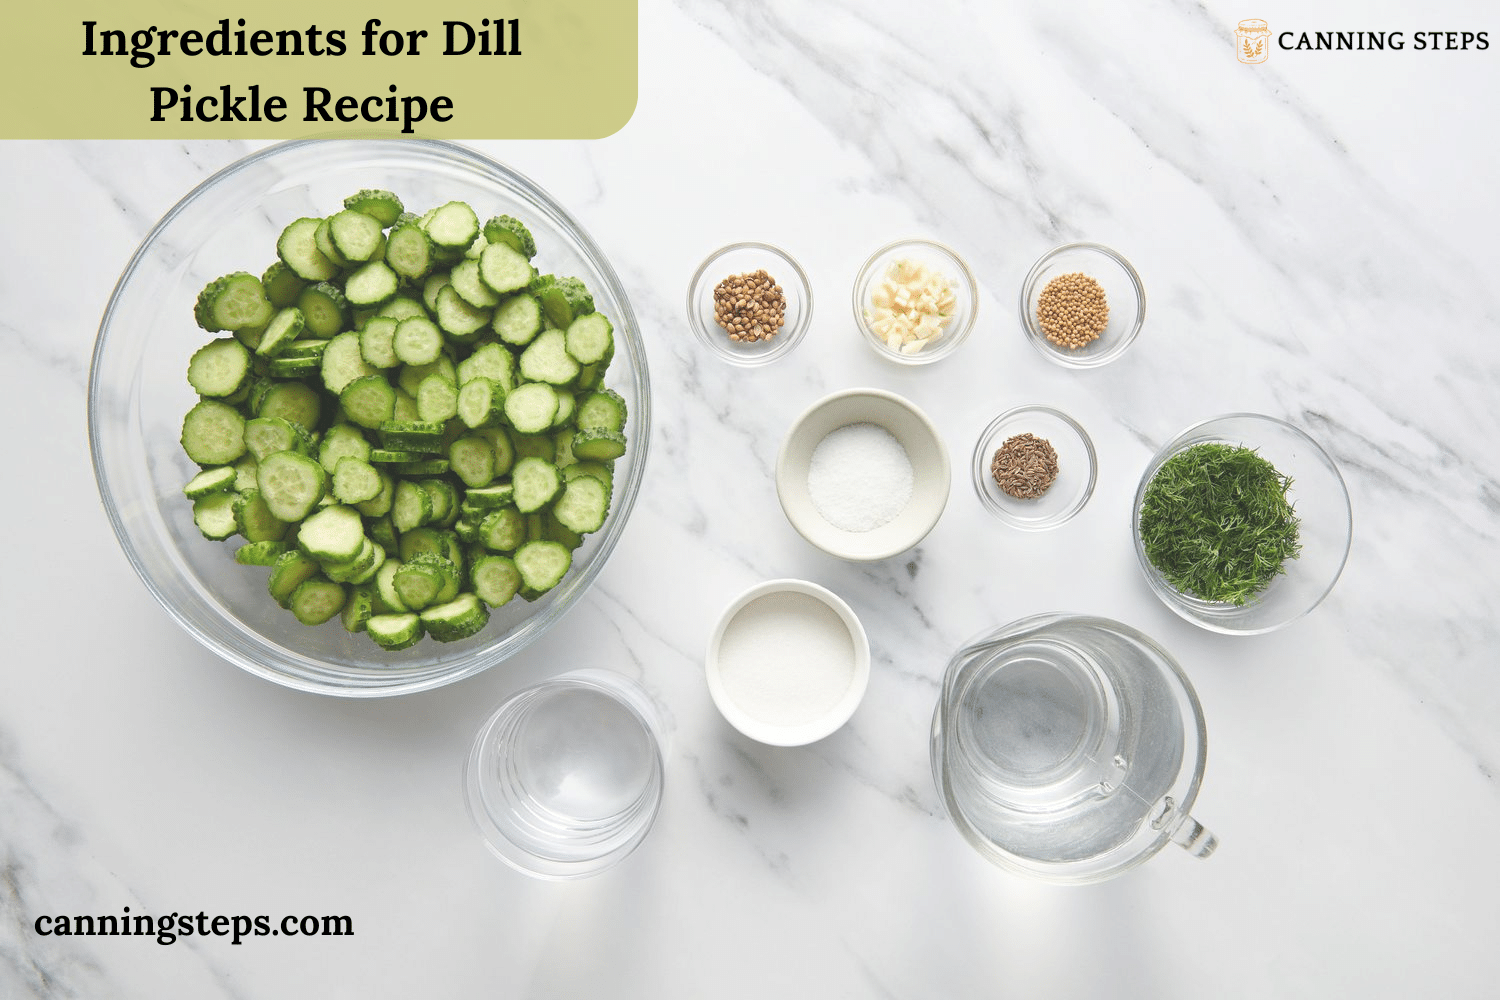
[(860, 477)]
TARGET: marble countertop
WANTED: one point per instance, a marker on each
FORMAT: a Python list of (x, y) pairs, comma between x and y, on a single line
[(1316, 237)]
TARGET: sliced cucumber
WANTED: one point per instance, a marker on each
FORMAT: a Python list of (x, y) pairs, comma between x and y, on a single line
[(325, 309), (459, 618), (372, 284), (536, 482), (473, 460), (417, 341), (219, 368), (291, 483), (546, 359), (453, 226), (214, 515), (213, 433), (234, 302), (601, 410), (317, 600), (216, 480), (383, 206), (355, 481), (517, 319), (457, 317), (482, 379), (295, 402), (511, 230), (583, 504), (598, 445), (542, 565), (480, 403), (530, 407), (356, 235), (590, 338), (394, 631), (298, 250), (409, 251), (285, 327)]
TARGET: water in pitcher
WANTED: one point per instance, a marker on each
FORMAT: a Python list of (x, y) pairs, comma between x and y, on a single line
[(1060, 747)]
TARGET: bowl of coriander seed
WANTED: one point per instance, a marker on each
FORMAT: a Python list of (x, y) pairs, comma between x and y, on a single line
[(750, 303)]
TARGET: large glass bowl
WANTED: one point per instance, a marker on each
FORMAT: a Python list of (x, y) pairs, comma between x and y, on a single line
[(138, 394), (1325, 526)]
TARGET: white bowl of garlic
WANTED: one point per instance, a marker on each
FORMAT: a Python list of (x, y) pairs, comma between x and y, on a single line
[(914, 301)]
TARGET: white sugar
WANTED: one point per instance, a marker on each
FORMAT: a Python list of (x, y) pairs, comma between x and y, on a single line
[(786, 659), (860, 477)]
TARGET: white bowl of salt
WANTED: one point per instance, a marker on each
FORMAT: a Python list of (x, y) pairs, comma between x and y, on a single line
[(788, 663), (863, 475)]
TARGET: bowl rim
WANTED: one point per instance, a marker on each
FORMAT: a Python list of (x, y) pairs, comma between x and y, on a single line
[(1049, 350), (477, 661), (951, 343), (1181, 604), (980, 468), (806, 526), (805, 733), (788, 339)]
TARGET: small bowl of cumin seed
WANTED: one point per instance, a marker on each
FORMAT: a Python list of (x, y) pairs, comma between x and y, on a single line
[(1034, 467), (750, 303), (1082, 305)]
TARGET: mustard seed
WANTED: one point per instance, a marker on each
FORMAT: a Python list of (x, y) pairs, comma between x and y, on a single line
[(1072, 310)]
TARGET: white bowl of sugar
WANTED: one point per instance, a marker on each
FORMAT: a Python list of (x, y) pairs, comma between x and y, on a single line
[(863, 474), (788, 663)]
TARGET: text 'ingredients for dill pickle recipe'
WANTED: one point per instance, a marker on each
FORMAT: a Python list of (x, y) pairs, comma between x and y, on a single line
[(860, 477)]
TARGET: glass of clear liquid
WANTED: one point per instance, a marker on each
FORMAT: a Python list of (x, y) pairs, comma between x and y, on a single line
[(1069, 748), (565, 778)]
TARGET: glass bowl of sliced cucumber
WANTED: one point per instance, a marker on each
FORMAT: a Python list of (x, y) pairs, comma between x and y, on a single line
[(368, 417)]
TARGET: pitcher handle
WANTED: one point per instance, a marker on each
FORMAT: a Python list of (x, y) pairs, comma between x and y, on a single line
[(1193, 837), (1184, 831)]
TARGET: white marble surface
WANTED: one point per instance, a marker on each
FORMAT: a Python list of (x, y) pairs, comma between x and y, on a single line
[(1316, 235)]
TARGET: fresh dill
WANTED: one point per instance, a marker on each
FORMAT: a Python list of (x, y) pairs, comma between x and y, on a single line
[(1217, 524)]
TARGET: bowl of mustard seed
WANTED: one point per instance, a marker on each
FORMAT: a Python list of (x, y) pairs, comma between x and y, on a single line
[(1034, 467), (1082, 305), (749, 303)]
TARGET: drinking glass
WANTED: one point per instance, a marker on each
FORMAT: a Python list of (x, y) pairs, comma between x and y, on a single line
[(565, 778)]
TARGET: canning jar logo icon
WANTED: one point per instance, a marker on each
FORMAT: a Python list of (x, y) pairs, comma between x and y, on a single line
[(1252, 41)]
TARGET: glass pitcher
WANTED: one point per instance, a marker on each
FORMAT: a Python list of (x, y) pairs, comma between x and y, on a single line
[(1069, 748)]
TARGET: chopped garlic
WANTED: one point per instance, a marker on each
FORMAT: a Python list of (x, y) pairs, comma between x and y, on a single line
[(910, 306)]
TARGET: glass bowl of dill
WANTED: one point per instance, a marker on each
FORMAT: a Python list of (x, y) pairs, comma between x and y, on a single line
[(1242, 524)]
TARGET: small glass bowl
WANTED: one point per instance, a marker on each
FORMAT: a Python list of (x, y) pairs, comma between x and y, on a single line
[(565, 778), (1123, 292), (1318, 496), (938, 257), (742, 258), (1077, 468)]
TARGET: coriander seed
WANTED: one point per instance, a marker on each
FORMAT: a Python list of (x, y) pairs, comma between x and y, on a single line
[(1025, 466), (1072, 310), (750, 307)]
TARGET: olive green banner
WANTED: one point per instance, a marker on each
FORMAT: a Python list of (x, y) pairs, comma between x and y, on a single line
[(178, 69)]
